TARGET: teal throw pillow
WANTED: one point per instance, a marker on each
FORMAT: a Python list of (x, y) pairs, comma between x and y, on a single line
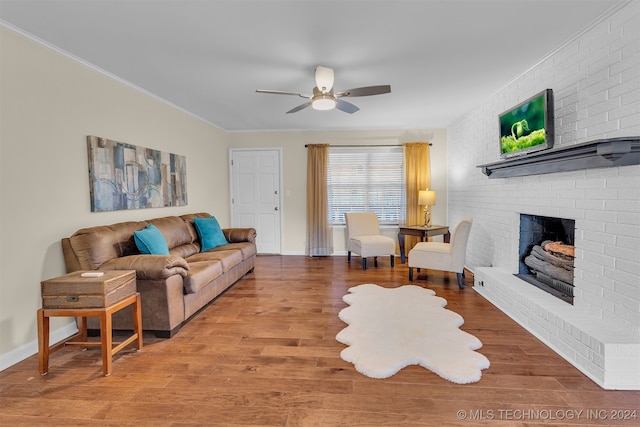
[(150, 241), (210, 233)]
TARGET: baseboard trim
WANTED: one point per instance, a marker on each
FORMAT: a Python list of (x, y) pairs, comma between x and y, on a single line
[(29, 349)]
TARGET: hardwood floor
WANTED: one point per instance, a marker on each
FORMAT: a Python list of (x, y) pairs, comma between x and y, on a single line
[(265, 353)]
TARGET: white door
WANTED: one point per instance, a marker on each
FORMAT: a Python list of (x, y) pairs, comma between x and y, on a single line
[(255, 195)]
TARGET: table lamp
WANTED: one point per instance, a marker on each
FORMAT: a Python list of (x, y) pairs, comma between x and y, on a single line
[(427, 198)]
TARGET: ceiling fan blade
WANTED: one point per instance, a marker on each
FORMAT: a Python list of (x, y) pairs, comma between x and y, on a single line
[(365, 91), (345, 106), (299, 107), (280, 92), (324, 79)]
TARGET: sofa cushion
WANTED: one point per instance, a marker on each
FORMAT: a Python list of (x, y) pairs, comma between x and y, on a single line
[(174, 229), (96, 245), (188, 219), (247, 249), (210, 233), (150, 241), (200, 274), (185, 251), (229, 258)]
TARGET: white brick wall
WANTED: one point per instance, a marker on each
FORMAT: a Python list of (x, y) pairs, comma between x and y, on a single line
[(596, 83)]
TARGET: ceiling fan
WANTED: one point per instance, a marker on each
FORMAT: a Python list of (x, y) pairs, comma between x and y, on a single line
[(325, 98)]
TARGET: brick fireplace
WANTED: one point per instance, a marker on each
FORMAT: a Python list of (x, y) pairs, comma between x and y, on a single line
[(591, 210), (594, 79)]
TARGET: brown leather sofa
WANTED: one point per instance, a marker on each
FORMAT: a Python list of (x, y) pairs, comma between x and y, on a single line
[(172, 287)]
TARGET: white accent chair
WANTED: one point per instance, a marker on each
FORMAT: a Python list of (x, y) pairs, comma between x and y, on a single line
[(364, 238), (443, 256)]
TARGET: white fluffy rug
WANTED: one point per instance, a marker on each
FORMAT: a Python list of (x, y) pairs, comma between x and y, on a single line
[(390, 328)]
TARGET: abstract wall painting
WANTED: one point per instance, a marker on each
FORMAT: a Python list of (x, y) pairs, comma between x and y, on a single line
[(124, 176)]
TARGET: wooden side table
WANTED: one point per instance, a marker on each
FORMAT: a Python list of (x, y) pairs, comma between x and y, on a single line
[(423, 232), (109, 348)]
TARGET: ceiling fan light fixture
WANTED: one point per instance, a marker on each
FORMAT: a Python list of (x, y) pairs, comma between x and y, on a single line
[(325, 98), (323, 102)]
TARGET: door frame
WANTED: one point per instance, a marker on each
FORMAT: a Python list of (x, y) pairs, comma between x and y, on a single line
[(280, 183)]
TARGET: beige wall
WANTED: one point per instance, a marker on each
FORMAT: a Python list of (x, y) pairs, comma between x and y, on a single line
[(48, 105), (295, 175)]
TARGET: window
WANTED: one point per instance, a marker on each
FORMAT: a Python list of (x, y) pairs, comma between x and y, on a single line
[(366, 179)]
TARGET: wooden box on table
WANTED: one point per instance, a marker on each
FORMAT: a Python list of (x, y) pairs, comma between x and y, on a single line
[(74, 290)]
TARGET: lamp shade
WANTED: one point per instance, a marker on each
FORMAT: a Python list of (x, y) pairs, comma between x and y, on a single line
[(426, 198)]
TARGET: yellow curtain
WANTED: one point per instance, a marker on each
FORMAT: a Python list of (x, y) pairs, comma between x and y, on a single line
[(417, 177), (319, 233)]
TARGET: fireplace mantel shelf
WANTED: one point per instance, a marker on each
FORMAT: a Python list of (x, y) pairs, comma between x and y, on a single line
[(602, 153)]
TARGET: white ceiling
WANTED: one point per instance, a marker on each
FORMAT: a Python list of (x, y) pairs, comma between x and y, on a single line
[(441, 57)]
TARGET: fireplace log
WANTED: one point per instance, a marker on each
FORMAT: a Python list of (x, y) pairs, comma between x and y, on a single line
[(559, 248), (538, 265), (545, 256)]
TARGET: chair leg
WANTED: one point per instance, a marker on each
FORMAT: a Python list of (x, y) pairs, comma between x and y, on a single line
[(364, 263), (375, 261), (393, 260), (411, 274), (460, 280), (348, 256)]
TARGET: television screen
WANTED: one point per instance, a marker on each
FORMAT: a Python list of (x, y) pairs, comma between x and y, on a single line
[(528, 126)]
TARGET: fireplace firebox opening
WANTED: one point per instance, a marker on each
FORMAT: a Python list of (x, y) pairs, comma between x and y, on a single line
[(546, 254)]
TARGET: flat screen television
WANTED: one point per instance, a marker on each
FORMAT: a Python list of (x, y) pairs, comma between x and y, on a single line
[(527, 127)]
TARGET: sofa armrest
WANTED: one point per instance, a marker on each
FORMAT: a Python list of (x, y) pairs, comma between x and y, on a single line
[(150, 267), (237, 235)]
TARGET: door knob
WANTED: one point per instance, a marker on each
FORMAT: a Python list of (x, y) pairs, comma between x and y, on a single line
[(276, 208)]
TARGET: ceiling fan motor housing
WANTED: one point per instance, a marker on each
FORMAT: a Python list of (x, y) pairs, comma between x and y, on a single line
[(324, 78)]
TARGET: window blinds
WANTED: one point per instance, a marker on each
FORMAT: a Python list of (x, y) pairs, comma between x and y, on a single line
[(366, 179)]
